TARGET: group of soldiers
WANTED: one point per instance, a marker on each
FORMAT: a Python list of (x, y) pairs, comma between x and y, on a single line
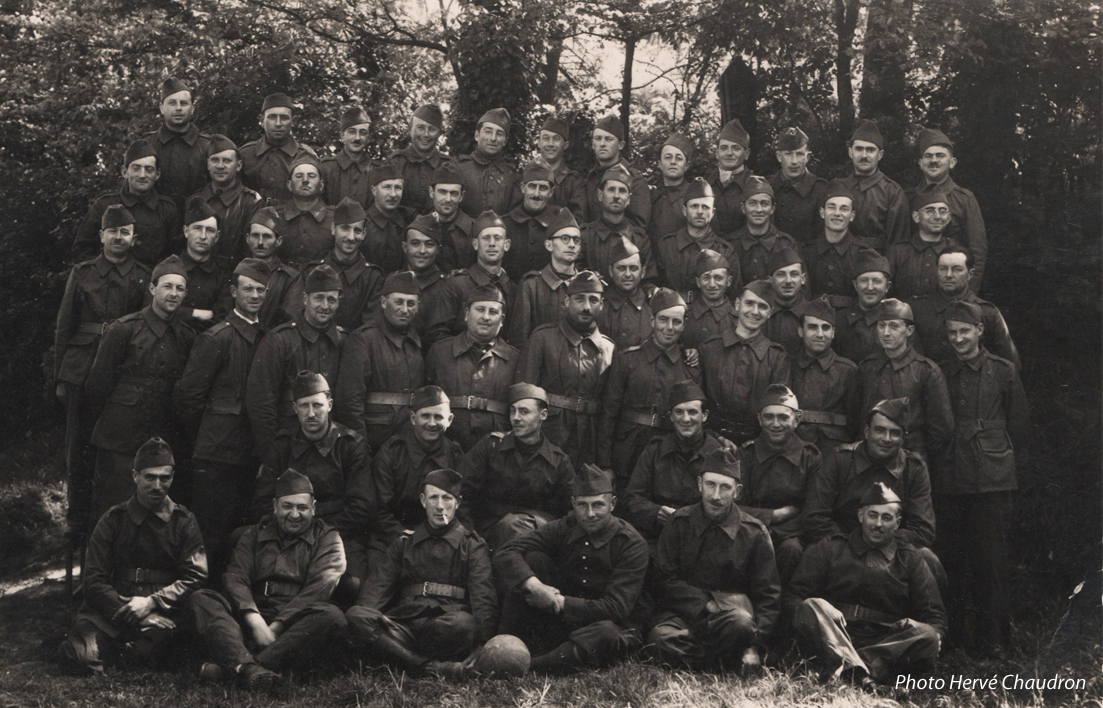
[(471, 417)]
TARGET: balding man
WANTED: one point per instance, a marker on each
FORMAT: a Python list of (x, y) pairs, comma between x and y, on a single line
[(180, 148), (489, 180), (880, 207), (346, 174), (306, 221), (798, 191), (729, 180), (418, 162), (608, 143), (266, 162), (678, 252)]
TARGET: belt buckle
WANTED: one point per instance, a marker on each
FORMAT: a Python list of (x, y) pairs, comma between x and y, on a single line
[(425, 589), (578, 404), (267, 593), (654, 415), (139, 576), (469, 400)]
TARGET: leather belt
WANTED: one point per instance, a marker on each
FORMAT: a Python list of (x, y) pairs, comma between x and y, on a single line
[(147, 576), (92, 327), (823, 418), (574, 403), (969, 428), (278, 588), (390, 399), (434, 590), (865, 613), (478, 403), (840, 301), (654, 419)]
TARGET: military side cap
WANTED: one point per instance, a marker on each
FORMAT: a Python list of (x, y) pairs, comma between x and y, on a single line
[(488, 220), (617, 173), (383, 173), (115, 216), (173, 85), (878, 494), (895, 409), (426, 224), (430, 113), (681, 142), (868, 131), (783, 258), (497, 116), (446, 174), (761, 288), (276, 100), (757, 185), (404, 282), (893, 309), (966, 312), (665, 298), (169, 266), (220, 143), (611, 124), (534, 171), (683, 391), (557, 126), (154, 452), (586, 281), (561, 221), (428, 396), (735, 133), (926, 198), (292, 482), (254, 269), (780, 395), (446, 479), (870, 261), (821, 309), (591, 481), (707, 260), (837, 188), (722, 461), (929, 137), (308, 383), (197, 209), (698, 189), (791, 139), (321, 279), (353, 116), (622, 248), (348, 211), (137, 150), (266, 217), (521, 391), (305, 159)]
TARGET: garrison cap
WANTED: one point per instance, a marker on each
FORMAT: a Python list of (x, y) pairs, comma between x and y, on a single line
[(681, 142), (722, 461), (783, 258), (322, 279), (761, 288), (308, 383), (617, 173), (220, 143), (304, 159), (878, 494), (929, 137), (446, 174), (837, 188), (446, 479), (487, 220), (683, 391), (353, 116), (497, 116), (348, 211), (791, 139), (137, 150), (611, 124), (291, 483), (276, 100), (870, 261), (558, 126), (895, 409), (173, 85), (384, 173), (893, 309), (521, 391), (426, 224), (821, 309), (925, 198), (707, 260), (966, 312), (428, 396), (586, 281), (254, 269), (735, 133), (591, 481), (779, 395), (561, 221), (698, 189), (534, 171), (115, 216), (431, 114), (404, 282), (757, 185), (197, 209), (170, 266), (622, 248), (868, 131), (266, 217), (154, 452), (663, 299)]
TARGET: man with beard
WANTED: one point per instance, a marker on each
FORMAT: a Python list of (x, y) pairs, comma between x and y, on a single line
[(180, 148), (880, 207), (205, 302), (361, 281), (758, 240), (386, 221), (668, 199), (456, 227), (488, 179), (569, 190), (831, 256), (284, 298), (799, 193), (915, 261), (710, 311), (610, 221), (626, 317), (608, 145), (267, 162), (418, 162), (346, 174), (306, 221), (527, 223), (788, 277), (729, 180), (541, 292), (856, 337), (421, 246), (678, 252), (231, 201)]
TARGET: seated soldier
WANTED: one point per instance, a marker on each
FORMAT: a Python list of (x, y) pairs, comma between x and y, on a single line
[(717, 583), (516, 481), (144, 558), (779, 468), (431, 599), (865, 604), (572, 585), (279, 581)]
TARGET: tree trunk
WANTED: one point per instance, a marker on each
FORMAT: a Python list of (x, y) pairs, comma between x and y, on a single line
[(545, 92), (739, 99), (883, 83), (626, 88), (846, 21)]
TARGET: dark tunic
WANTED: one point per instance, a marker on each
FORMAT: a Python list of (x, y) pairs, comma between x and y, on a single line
[(384, 233), (208, 289), (830, 399), (526, 233), (625, 320), (755, 251), (540, 301), (728, 216), (678, 259), (266, 168), (785, 323), (182, 160), (397, 470), (930, 327), (776, 478), (488, 184), (915, 266), (449, 316), (798, 204), (966, 221), (234, 207), (639, 205), (856, 333), (705, 321), (417, 176), (307, 235), (284, 299), (667, 216), (735, 374), (377, 359), (346, 177), (598, 237), (157, 226), (930, 420), (881, 213), (832, 268), (570, 191), (456, 250)]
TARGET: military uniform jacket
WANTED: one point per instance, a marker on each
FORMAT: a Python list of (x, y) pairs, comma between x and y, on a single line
[(678, 259), (397, 470), (848, 473), (666, 211), (736, 372), (430, 283), (915, 266), (377, 359), (307, 234), (488, 183), (542, 295), (991, 419), (346, 177), (456, 250), (831, 268), (930, 421), (97, 292), (499, 479), (845, 570), (449, 314), (417, 175), (602, 573), (570, 191), (210, 396), (285, 294), (339, 467), (698, 558), (755, 251), (966, 221), (784, 324), (157, 226), (930, 327), (361, 283), (266, 167), (465, 371), (639, 204), (705, 321), (139, 359), (130, 537), (776, 478), (666, 475), (234, 207), (383, 238), (881, 213), (728, 216), (856, 333), (526, 233), (827, 384), (182, 160), (457, 557), (640, 379), (208, 289), (798, 204), (281, 355), (597, 246), (625, 319), (298, 571)]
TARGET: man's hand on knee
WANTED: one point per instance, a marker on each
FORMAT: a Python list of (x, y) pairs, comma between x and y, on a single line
[(135, 610), (541, 596)]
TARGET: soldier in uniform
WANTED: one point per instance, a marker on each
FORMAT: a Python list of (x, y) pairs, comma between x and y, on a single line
[(799, 192), (779, 468), (346, 174), (456, 227), (915, 260), (729, 180), (284, 297), (856, 336), (880, 207), (759, 238), (669, 198), (608, 145), (231, 201), (180, 148), (626, 317), (421, 247), (710, 311), (825, 383), (278, 586), (139, 359), (738, 365), (431, 599), (542, 292), (266, 163), (98, 292), (156, 217), (569, 188), (599, 235), (831, 256), (678, 252), (306, 221), (386, 220), (144, 558), (516, 481), (361, 281), (528, 224), (310, 341), (788, 276), (936, 159), (475, 368), (208, 278), (638, 385), (572, 585), (865, 603), (382, 364), (717, 586), (488, 179), (210, 400), (419, 161)]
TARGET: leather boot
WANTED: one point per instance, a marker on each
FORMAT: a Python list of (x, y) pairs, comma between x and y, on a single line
[(390, 648), (563, 659)]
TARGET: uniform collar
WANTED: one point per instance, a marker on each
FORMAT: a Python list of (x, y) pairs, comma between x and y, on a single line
[(484, 160), (227, 196), (312, 334), (463, 343), (575, 337), (946, 186), (652, 351), (757, 342), (291, 210), (597, 540), (139, 513), (867, 182), (349, 271), (825, 360), (396, 338), (920, 245), (700, 307), (363, 163), (155, 323), (748, 240), (299, 443), (604, 229), (942, 301), (801, 185), (904, 359), (520, 216), (791, 452), (859, 546), (244, 328), (509, 442), (289, 148), (129, 199), (270, 531), (863, 462), (796, 308), (434, 157), (847, 242), (428, 278), (730, 525), (953, 366), (104, 266), (190, 135), (616, 299), (454, 536), (597, 170), (482, 276), (191, 264), (552, 279)]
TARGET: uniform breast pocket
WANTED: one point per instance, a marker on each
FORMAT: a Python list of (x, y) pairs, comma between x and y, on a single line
[(993, 441)]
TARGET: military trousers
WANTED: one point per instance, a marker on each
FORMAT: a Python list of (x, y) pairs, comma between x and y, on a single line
[(221, 502), (449, 636), (717, 638), (94, 641), (508, 527), (80, 458)]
